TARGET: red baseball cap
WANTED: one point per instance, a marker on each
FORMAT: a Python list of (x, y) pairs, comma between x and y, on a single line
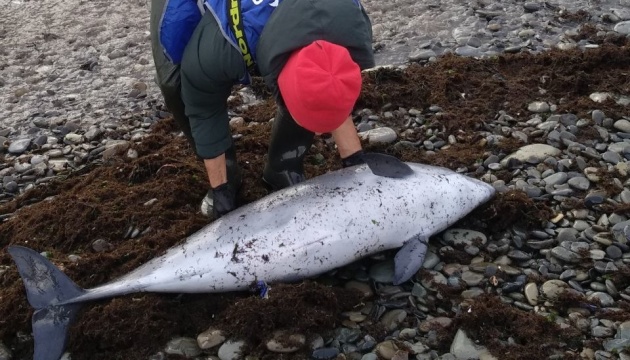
[(320, 84)]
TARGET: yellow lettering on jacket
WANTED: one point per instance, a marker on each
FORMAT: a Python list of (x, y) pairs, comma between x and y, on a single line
[(240, 37)]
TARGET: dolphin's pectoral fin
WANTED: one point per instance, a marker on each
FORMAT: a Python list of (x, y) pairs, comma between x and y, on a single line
[(386, 165), (409, 259)]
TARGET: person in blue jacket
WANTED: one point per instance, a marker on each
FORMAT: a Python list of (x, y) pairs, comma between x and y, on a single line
[(310, 54)]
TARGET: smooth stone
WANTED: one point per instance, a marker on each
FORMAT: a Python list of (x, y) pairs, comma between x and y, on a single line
[(408, 333), (18, 147), (591, 174), (619, 231), (602, 239), (316, 341), (468, 50), (183, 346), (616, 345), (325, 353), (526, 34), (231, 350), (92, 134), (568, 234), (382, 135), (531, 293), (282, 342), (416, 348), (601, 332), (456, 237), (612, 157), (422, 54), (622, 125), (594, 198), (532, 153), (210, 338), (430, 324), (472, 278), (623, 27), (565, 254), (519, 255), (598, 286), (367, 343), (463, 347), (543, 244), (611, 288), (114, 148), (387, 349), (430, 260), (538, 107), (433, 278), (605, 299), (5, 352), (579, 183), (556, 179), (551, 289), (472, 293), (600, 97), (364, 288), (614, 252), (73, 139), (597, 254), (418, 291), (393, 318), (382, 272), (605, 267), (345, 335), (619, 148), (623, 332), (578, 246), (580, 225)]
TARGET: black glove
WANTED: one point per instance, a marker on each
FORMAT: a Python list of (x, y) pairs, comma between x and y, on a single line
[(224, 200), (354, 159)]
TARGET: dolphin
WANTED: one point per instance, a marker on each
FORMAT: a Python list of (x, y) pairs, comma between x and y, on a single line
[(299, 232)]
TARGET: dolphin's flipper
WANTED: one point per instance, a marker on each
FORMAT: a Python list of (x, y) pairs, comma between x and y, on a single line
[(386, 165), (46, 288), (409, 259)]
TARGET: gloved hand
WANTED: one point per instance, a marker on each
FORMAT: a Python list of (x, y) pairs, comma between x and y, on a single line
[(224, 200), (354, 159)]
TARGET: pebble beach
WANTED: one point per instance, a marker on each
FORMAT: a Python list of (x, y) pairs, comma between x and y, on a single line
[(76, 88)]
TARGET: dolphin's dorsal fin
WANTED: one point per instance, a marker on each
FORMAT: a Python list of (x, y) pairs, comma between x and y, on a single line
[(386, 165)]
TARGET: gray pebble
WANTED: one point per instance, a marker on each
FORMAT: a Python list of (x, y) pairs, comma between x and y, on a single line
[(614, 252), (18, 147), (579, 183)]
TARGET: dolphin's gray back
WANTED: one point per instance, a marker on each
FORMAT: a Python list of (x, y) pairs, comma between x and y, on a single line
[(305, 230)]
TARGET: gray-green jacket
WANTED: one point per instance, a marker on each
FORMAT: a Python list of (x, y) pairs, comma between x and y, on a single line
[(211, 66)]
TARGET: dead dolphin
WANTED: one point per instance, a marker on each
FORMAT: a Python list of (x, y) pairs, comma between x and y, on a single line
[(299, 232)]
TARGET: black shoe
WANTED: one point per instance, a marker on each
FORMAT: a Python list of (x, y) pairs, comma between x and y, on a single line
[(288, 145)]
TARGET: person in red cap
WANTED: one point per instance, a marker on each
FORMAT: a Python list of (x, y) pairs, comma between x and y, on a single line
[(310, 54)]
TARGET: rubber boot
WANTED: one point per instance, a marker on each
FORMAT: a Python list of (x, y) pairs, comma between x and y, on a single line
[(288, 145), (234, 177)]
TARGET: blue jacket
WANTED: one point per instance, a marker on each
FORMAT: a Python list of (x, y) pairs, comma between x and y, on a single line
[(213, 62), (241, 22)]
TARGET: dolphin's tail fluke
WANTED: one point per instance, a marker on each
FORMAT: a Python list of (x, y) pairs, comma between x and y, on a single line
[(48, 291)]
